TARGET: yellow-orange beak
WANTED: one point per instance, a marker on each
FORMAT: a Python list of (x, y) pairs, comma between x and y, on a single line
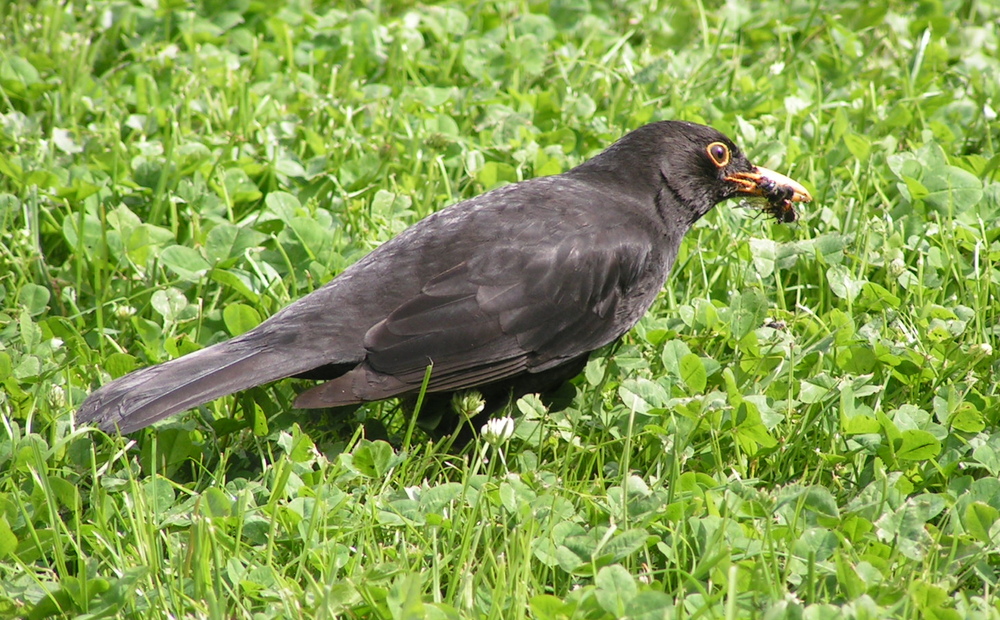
[(769, 184)]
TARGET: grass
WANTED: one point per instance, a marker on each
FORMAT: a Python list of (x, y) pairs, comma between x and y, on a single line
[(806, 424)]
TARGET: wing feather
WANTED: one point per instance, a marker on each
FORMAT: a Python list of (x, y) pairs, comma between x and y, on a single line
[(478, 322)]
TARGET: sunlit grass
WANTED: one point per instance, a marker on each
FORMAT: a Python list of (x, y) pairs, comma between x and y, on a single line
[(804, 424)]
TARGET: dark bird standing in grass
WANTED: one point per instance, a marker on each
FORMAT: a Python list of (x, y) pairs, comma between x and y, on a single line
[(507, 292)]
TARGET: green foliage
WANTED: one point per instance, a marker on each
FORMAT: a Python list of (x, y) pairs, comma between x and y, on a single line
[(805, 425)]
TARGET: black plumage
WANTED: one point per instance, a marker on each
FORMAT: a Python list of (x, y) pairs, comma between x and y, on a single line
[(507, 292)]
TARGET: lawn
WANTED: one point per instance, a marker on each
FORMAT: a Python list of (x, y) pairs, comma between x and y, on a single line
[(805, 425)]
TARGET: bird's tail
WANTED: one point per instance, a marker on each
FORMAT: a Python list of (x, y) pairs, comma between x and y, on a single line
[(145, 396)]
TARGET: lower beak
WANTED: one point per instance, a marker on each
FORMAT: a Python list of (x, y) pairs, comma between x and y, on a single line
[(769, 184)]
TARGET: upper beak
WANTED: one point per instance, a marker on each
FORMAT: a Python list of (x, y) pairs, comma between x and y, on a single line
[(768, 183)]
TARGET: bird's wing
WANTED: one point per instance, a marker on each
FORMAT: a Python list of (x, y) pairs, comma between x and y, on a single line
[(520, 306)]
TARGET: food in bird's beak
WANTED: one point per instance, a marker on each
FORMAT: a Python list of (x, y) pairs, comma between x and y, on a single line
[(779, 190)]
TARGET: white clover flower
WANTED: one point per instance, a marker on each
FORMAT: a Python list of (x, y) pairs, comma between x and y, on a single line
[(123, 312), (57, 396), (983, 349), (897, 267), (468, 404), (498, 430)]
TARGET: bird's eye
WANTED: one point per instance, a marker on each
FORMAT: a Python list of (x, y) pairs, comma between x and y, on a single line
[(719, 154)]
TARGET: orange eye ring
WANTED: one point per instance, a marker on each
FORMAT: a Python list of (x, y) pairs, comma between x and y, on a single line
[(719, 154)]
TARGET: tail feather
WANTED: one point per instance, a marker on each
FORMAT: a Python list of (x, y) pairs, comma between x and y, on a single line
[(148, 395)]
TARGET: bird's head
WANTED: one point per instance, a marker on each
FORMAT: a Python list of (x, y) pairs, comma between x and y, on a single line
[(709, 168), (693, 168)]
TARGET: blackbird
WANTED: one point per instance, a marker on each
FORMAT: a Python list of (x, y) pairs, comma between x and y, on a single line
[(508, 292)]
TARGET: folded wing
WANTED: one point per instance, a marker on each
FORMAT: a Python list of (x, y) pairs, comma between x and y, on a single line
[(521, 307)]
